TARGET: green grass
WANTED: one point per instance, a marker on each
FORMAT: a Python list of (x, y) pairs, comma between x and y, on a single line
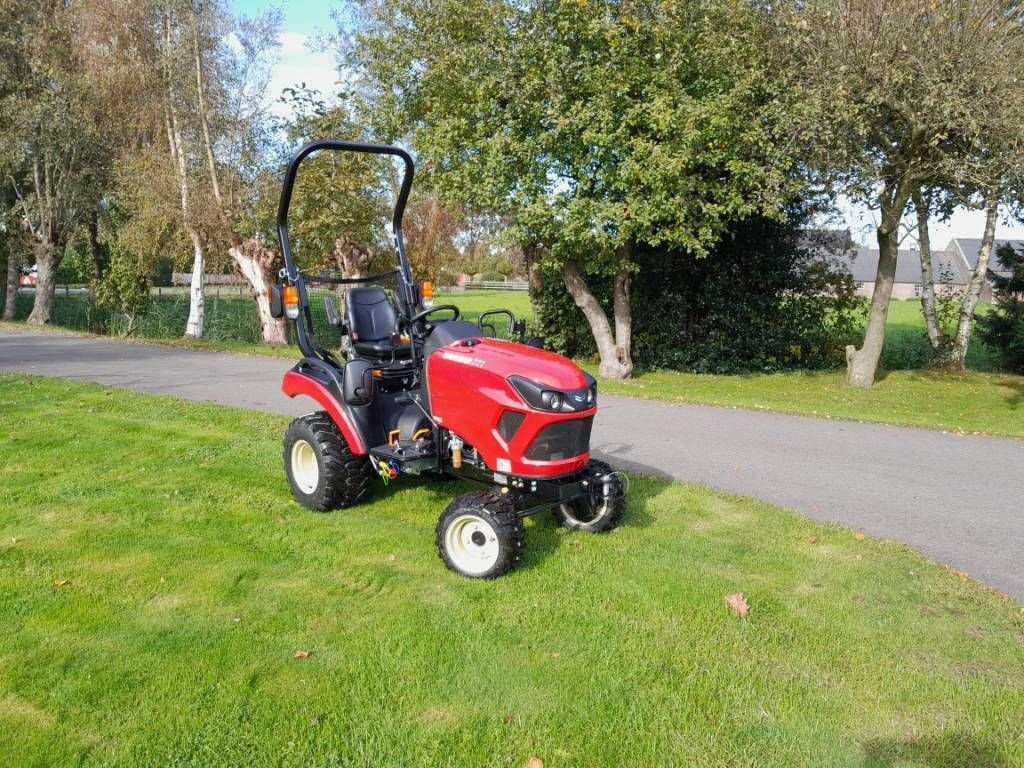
[(988, 403), (156, 581)]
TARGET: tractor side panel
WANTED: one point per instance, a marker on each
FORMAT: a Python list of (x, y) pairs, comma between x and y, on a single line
[(295, 384)]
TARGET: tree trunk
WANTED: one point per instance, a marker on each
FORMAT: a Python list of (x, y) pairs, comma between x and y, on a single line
[(47, 262), (197, 299), (615, 355), (11, 294), (196, 294), (862, 364), (958, 351), (927, 278), (353, 261), (259, 265)]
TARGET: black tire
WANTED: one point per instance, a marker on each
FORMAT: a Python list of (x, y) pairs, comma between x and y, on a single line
[(340, 477), (480, 535), (584, 515)]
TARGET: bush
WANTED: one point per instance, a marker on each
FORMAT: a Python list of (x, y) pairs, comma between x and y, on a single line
[(1003, 328), (757, 302), (124, 291)]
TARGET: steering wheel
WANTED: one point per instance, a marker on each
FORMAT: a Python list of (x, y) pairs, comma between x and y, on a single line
[(419, 317)]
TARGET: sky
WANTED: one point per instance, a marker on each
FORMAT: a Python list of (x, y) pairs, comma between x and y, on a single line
[(297, 62)]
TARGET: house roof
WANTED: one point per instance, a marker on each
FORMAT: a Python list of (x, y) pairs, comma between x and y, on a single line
[(968, 248), (863, 265)]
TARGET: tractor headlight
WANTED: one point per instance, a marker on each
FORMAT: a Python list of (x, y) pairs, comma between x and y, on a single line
[(544, 399)]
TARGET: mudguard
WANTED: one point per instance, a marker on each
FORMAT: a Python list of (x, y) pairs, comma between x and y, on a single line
[(296, 383)]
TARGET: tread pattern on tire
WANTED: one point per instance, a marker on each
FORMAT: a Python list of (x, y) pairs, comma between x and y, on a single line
[(344, 476), (606, 523), (507, 524)]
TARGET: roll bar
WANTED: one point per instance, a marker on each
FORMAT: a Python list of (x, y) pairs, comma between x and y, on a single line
[(407, 293)]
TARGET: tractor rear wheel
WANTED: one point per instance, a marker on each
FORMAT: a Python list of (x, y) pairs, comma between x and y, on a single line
[(599, 512), (480, 535), (322, 471)]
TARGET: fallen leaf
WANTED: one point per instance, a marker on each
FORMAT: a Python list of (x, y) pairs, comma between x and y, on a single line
[(811, 540), (737, 603), (858, 599), (859, 536), (534, 762), (60, 582), (303, 654), (509, 718)]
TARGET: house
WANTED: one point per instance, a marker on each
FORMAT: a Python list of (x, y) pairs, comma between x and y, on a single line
[(967, 248), (949, 272), (952, 267)]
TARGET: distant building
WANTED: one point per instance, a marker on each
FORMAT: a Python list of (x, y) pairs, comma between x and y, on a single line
[(952, 267)]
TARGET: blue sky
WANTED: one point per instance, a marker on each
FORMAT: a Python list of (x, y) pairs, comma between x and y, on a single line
[(297, 63)]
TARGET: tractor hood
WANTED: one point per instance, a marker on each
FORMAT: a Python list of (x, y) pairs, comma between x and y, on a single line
[(507, 358)]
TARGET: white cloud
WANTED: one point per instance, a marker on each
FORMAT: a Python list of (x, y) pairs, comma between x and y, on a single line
[(296, 64)]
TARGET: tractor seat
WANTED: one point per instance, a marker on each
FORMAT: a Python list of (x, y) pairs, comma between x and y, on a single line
[(372, 323)]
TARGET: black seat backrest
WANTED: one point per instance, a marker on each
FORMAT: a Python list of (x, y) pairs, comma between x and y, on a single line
[(370, 314)]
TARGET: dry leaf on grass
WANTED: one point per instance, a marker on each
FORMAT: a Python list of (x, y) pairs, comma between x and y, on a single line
[(737, 603), (60, 582), (303, 654), (534, 762), (859, 536), (811, 540)]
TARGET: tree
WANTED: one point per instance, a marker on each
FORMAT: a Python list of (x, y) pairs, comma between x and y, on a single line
[(889, 98), (51, 155), (1003, 327), (596, 126)]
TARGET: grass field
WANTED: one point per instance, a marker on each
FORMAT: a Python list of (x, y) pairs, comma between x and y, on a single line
[(157, 581)]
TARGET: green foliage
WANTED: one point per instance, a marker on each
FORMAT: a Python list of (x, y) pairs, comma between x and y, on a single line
[(1003, 327), (124, 289), (758, 302)]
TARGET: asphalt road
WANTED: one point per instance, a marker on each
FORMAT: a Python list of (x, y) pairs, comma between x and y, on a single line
[(958, 499)]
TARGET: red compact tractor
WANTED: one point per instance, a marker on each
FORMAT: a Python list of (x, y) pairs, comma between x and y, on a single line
[(418, 390)]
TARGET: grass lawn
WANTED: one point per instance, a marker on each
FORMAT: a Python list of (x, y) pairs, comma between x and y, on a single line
[(989, 403), (156, 582)]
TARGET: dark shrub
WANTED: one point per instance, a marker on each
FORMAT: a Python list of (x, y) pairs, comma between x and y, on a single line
[(759, 301), (1003, 328)]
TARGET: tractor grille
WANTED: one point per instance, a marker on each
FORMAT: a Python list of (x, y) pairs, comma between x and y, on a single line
[(561, 440)]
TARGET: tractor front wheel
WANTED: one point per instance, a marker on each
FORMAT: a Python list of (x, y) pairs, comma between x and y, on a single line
[(603, 509), (480, 535), (322, 471)]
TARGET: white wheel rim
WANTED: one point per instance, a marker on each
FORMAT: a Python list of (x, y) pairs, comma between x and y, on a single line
[(600, 511), (472, 544), (305, 468)]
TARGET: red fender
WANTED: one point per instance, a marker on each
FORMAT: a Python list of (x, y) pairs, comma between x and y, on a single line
[(297, 384)]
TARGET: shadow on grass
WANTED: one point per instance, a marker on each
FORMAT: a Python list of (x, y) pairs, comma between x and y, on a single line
[(1015, 383), (543, 536), (944, 750)]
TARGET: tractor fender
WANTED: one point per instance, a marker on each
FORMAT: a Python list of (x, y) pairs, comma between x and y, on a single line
[(295, 383)]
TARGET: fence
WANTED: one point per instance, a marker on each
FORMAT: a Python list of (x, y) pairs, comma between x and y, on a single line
[(496, 285), (185, 278)]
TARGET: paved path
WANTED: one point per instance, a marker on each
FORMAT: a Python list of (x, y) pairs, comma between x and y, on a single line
[(958, 499)]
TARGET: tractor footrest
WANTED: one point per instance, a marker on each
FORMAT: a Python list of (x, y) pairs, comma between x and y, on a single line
[(407, 455)]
